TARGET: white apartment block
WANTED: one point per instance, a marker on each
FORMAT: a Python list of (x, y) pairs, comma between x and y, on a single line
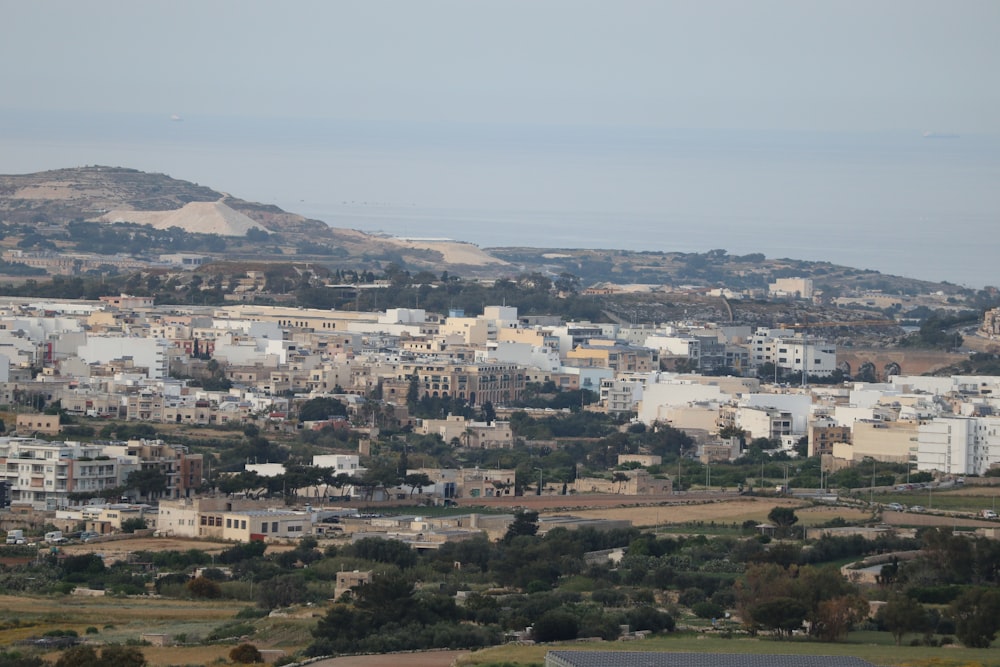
[(768, 423), (148, 353), (42, 474), (620, 396), (959, 445), (793, 353), (800, 288)]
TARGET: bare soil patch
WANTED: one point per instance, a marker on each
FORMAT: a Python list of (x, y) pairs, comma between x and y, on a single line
[(735, 510), (931, 519), (423, 659), (116, 550)]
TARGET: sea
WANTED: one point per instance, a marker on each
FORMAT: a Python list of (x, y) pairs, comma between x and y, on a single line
[(923, 203)]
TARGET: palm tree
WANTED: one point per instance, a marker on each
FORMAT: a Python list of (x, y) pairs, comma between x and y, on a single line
[(619, 478)]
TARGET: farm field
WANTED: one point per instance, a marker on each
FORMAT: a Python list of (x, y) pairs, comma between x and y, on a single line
[(877, 648), (735, 510), (125, 619), (118, 620)]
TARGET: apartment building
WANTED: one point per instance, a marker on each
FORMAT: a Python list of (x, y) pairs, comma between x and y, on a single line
[(42, 474), (495, 383), (959, 445), (614, 355), (824, 434), (793, 353)]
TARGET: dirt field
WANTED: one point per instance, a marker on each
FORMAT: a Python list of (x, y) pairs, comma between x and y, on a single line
[(426, 659), (116, 550), (736, 510), (931, 519)]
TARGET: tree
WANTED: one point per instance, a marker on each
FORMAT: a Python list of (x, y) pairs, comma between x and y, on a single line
[(149, 482), (525, 523), (246, 654), (321, 408), (555, 625), (417, 481), (385, 551), (134, 524), (782, 517), (977, 616), (780, 614), (111, 656), (17, 659), (619, 479), (122, 656), (282, 591), (901, 615), (835, 617), (203, 587)]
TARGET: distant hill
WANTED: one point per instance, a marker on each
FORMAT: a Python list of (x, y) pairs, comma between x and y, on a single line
[(66, 210), (44, 204)]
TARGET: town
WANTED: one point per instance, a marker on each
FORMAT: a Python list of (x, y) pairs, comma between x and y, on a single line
[(247, 424)]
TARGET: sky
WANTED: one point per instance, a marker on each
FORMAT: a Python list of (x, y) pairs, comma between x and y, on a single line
[(697, 124), (767, 64)]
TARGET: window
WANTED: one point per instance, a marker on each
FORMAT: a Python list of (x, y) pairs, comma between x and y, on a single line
[(263, 527), (274, 526)]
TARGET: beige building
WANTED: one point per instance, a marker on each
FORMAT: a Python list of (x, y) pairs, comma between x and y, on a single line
[(644, 460), (496, 383), (800, 288), (269, 524), (892, 442), (38, 423), (823, 436), (470, 330), (468, 433), (348, 580), (611, 354), (991, 323), (695, 416), (639, 483), (182, 517)]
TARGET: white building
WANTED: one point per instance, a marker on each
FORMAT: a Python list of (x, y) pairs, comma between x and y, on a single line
[(341, 463), (42, 474), (959, 445), (672, 391), (799, 288), (148, 353), (793, 353)]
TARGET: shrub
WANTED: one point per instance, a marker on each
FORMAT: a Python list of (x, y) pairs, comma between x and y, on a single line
[(707, 610), (250, 613), (202, 587), (245, 654), (555, 625)]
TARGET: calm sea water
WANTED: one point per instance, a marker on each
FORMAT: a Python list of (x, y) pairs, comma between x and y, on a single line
[(900, 203)]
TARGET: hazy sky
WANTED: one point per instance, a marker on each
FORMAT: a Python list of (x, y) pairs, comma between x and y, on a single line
[(773, 64)]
